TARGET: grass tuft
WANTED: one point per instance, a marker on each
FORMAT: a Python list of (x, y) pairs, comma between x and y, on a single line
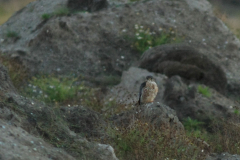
[(51, 89), (46, 16), (145, 39), (12, 34), (63, 11), (192, 124), (204, 91)]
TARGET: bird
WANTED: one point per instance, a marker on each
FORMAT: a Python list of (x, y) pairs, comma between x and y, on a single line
[(148, 91)]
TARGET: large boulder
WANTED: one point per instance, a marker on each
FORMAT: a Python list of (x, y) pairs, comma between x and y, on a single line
[(127, 91), (185, 61), (188, 102), (87, 5)]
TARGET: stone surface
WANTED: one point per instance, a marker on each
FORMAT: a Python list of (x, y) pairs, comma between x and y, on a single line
[(223, 156), (185, 61)]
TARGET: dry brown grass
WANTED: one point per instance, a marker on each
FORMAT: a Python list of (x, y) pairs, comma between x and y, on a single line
[(143, 141), (17, 71), (9, 7), (233, 22)]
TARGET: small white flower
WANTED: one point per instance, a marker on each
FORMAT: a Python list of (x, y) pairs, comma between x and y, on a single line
[(122, 57), (124, 30), (136, 26), (141, 27), (51, 86), (139, 38), (137, 34)]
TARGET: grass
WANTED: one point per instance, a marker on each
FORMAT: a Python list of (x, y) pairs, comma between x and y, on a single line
[(192, 124), (52, 89), (204, 91), (18, 73), (144, 141), (46, 16), (63, 11), (145, 39), (12, 34), (140, 141), (221, 135)]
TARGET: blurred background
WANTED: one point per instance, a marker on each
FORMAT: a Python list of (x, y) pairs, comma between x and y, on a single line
[(227, 10), (9, 7)]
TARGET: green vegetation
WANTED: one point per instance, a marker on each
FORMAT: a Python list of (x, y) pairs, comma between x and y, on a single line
[(236, 111), (145, 142), (51, 89), (12, 34), (145, 39), (204, 91), (192, 124), (46, 16), (63, 11)]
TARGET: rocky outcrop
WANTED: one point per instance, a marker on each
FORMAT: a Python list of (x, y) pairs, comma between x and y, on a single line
[(22, 120), (223, 156), (188, 102), (185, 61), (127, 91), (87, 5), (177, 93)]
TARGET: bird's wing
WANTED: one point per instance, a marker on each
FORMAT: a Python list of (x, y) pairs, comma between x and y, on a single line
[(140, 92)]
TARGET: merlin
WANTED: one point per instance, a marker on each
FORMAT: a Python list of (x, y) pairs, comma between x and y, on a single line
[(148, 91)]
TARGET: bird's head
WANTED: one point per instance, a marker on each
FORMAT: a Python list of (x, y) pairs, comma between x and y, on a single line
[(149, 78)]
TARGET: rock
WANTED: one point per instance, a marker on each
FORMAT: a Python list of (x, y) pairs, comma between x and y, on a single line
[(187, 102), (87, 5), (185, 61), (223, 156), (84, 121), (23, 119), (16, 143), (127, 91)]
